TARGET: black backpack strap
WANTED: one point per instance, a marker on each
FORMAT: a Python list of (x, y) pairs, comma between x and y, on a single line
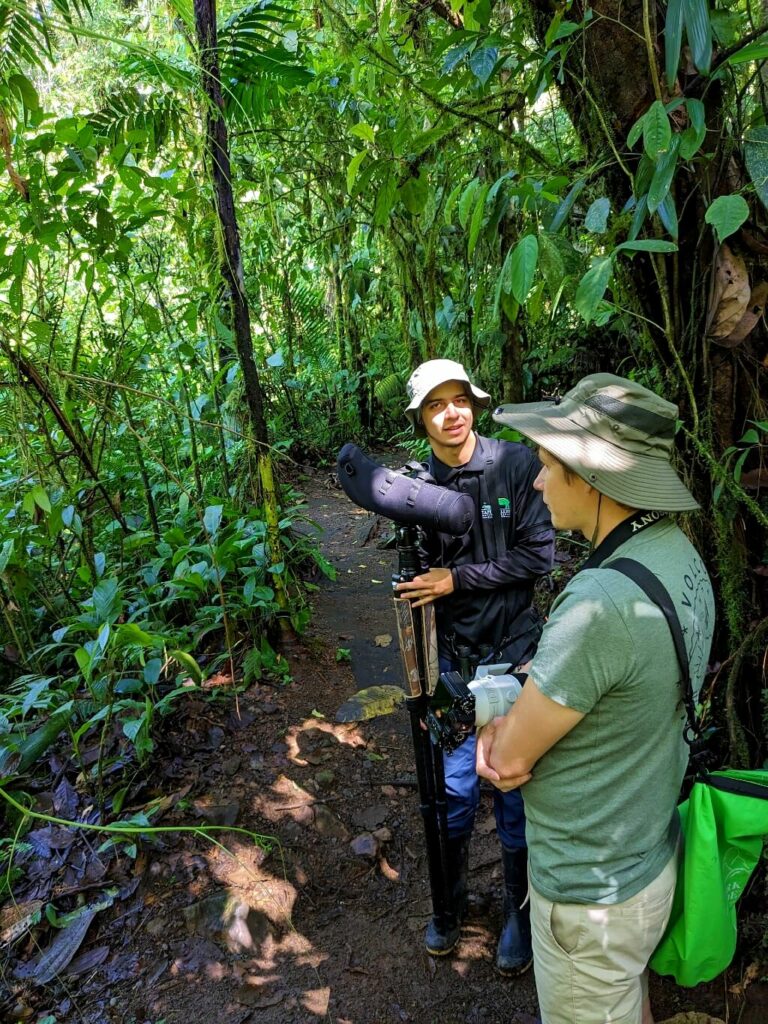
[(489, 499), (738, 786), (655, 590)]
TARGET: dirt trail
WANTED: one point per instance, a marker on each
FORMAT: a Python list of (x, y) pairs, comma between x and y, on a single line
[(328, 925)]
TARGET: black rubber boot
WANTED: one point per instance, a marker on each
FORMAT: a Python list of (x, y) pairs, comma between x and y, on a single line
[(440, 941), (514, 954)]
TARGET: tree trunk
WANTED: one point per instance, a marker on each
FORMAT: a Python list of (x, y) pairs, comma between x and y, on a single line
[(610, 79), (217, 146)]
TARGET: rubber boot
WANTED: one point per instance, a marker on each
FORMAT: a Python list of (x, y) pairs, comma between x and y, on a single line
[(514, 954), (441, 941)]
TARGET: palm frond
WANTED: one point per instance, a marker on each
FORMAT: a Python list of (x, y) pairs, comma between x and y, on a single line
[(68, 8), (157, 116), (252, 57), (24, 38), (174, 72)]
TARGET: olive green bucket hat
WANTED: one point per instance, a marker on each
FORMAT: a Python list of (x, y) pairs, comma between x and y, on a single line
[(615, 434), (431, 375)]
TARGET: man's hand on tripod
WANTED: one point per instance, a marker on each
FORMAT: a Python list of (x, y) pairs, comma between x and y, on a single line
[(428, 587)]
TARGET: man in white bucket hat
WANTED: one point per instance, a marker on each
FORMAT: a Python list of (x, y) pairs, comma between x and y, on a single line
[(483, 585), (596, 738)]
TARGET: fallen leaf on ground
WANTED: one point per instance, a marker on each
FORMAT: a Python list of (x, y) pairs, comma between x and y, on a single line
[(750, 975), (371, 702), (18, 918), (383, 640)]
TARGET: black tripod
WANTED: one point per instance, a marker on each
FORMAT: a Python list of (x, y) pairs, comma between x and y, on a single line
[(416, 631)]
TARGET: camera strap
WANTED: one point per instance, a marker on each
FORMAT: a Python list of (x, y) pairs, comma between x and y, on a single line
[(620, 534)]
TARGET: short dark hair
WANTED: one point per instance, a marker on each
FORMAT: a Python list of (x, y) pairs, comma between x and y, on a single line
[(568, 473), (570, 476)]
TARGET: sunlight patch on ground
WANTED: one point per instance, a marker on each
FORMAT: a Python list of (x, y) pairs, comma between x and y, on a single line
[(316, 1001)]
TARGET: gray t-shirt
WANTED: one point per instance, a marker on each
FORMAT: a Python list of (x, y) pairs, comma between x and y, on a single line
[(600, 808)]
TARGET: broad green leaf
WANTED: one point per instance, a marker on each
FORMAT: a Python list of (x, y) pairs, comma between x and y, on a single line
[(106, 600), (466, 201), (5, 554), (385, 200), (455, 56), (421, 143), (592, 288), (638, 218), (133, 727), (476, 223), (663, 175), (673, 38), (657, 131), (561, 214), (693, 136), (186, 661), (596, 219), (21, 85), (667, 213), (726, 215), (363, 131), (103, 638), (510, 306), (40, 498), (33, 691), (522, 267), (551, 263), (643, 175), (354, 166), (129, 633), (450, 203), (635, 131), (482, 62), (756, 159), (647, 245), (415, 192), (754, 51), (212, 519), (699, 32)]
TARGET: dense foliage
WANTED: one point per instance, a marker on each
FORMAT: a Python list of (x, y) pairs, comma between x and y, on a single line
[(537, 190)]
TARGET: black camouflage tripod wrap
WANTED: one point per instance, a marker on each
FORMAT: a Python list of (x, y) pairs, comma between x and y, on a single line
[(418, 647)]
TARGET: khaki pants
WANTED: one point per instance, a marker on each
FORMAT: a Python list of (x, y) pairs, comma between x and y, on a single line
[(590, 959)]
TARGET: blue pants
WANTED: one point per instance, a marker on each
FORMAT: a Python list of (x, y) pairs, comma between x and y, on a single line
[(462, 789)]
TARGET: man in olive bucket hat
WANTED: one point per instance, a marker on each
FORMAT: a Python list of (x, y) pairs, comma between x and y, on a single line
[(483, 586), (596, 738)]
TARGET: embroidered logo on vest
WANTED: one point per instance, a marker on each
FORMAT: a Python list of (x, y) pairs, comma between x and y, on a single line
[(486, 511), (504, 508)]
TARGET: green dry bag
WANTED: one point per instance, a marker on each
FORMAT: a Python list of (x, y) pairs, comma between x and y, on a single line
[(723, 822)]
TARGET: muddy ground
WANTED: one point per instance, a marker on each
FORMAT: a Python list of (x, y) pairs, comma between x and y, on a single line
[(324, 920)]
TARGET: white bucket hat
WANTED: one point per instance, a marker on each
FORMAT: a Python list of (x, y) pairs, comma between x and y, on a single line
[(615, 434), (431, 375)]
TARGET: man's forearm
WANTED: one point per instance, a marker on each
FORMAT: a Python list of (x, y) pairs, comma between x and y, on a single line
[(513, 744)]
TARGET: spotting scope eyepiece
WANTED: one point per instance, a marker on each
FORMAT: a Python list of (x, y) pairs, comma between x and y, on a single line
[(404, 499)]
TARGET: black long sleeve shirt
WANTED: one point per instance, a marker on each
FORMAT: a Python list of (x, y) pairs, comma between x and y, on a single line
[(511, 544)]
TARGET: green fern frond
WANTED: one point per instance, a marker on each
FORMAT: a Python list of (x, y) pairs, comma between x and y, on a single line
[(388, 389)]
